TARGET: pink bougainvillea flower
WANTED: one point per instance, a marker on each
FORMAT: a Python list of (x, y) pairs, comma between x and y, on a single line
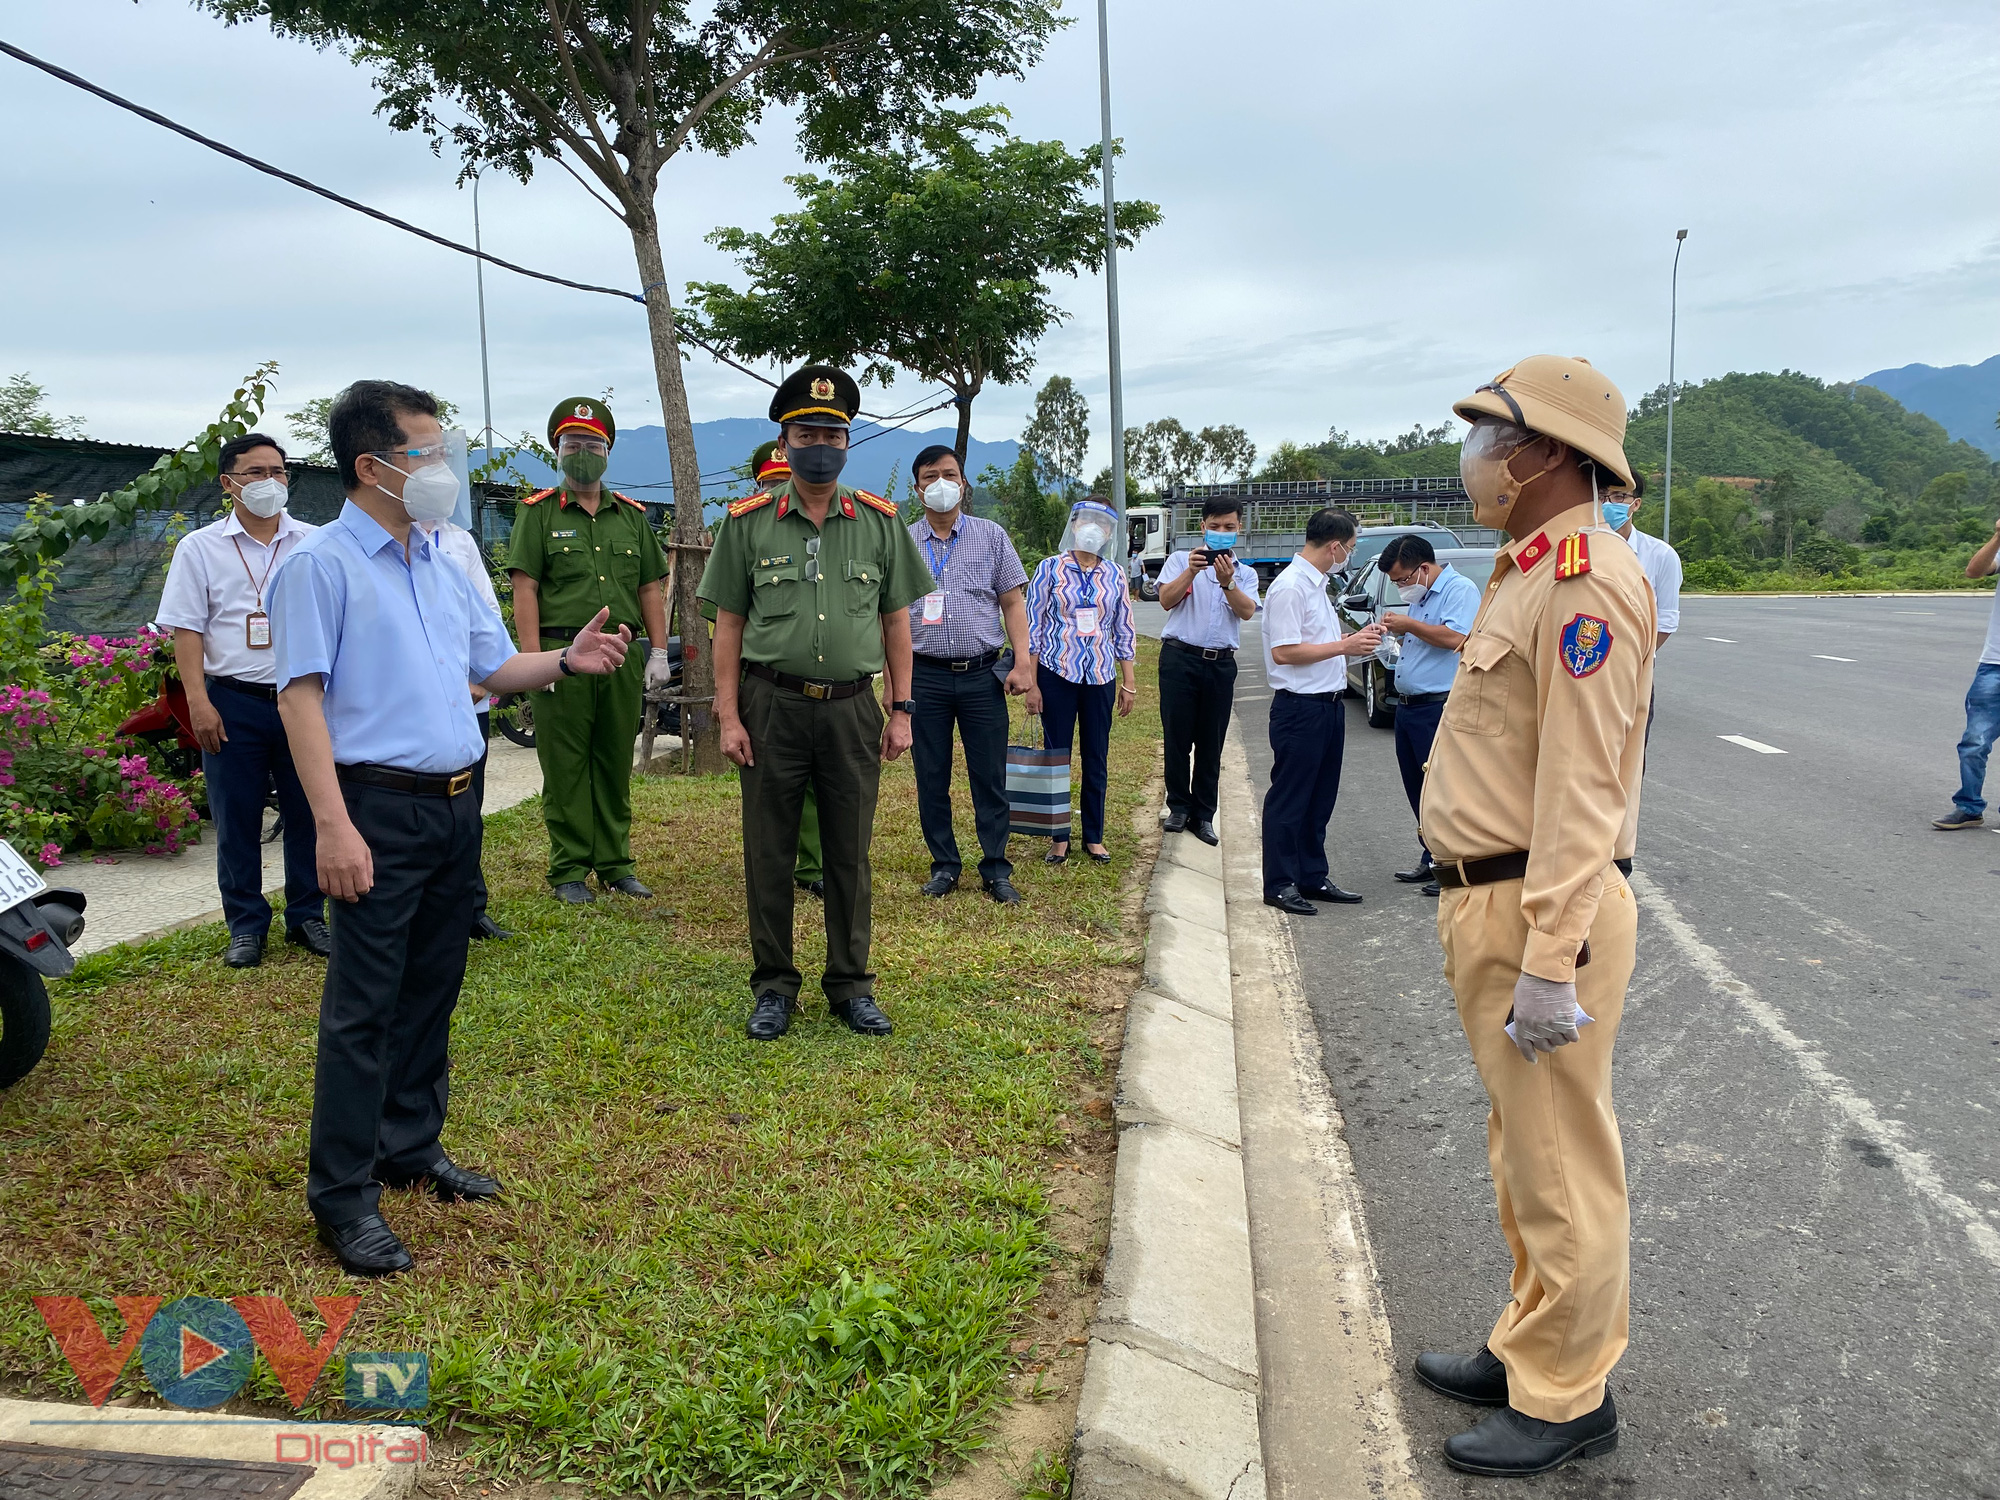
[(50, 856)]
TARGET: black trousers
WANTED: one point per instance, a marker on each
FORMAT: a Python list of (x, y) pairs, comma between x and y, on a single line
[(1195, 699), (1416, 727), (975, 701), (1073, 711), (1308, 734), (479, 796), (385, 1015)]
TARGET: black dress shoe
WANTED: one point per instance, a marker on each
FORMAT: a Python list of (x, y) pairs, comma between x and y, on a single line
[(1509, 1444), (366, 1246), (811, 887), (940, 884), (246, 951), (863, 1015), (772, 1018), (1289, 899), (311, 935), (1477, 1379), (450, 1183), (628, 885), (1330, 892), (484, 927), (1176, 822), (1417, 876), (574, 893), (1433, 890), (1002, 890), (1204, 830)]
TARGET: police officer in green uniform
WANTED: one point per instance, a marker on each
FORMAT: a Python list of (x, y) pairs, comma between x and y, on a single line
[(812, 583), (576, 550)]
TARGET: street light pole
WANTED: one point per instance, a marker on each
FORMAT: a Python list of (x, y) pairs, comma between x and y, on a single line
[(485, 379), (1111, 275), (1673, 330)]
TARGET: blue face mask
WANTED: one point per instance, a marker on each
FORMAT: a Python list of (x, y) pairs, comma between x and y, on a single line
[(1218, 541), (1616, 515)]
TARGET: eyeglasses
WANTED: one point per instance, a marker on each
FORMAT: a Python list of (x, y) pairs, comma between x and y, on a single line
[(812, 559), (430, 453), (260, 472)]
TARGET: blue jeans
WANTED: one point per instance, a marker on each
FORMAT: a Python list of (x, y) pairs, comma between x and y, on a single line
[(1982, 726), (256, 755)]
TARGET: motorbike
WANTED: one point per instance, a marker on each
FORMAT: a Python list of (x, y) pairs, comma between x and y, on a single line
[(166, 727), (37, 928)]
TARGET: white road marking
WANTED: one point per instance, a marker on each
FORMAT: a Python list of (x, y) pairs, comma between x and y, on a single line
[(1918, 1171), (1749, 744), (1821, 656), (1720, 640), (1912, 611)]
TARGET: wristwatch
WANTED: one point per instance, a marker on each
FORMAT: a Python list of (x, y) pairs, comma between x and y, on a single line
[(563, 662), (904, 705)]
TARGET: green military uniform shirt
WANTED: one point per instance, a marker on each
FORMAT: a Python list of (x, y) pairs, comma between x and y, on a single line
[(817, 617), (583, 563)]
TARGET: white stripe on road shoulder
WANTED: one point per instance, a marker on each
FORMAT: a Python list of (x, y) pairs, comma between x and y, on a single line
[(1915, 1167), (1720, 640), (1912, 611), (1749, 744), (1821, 656)]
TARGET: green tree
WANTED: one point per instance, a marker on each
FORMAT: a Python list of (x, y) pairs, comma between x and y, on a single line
[(309, 433), (1290, 461), (1164, 451), (1033, 517), (1790, 507), (934, 258), (1226, 450), (613, 90), (1058, 435), (24, 408)]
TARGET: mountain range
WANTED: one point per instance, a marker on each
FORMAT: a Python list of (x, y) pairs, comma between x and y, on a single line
[(1962, 399)]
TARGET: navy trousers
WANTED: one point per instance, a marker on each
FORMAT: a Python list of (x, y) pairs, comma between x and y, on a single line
[(1308, 734), (255, 755), (1064, 704), (1416, 727), (975, 701)]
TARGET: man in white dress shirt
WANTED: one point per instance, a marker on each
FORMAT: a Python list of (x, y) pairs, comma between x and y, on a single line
[(1305, 658), (1207, 597), (1662, 565), (216, 602)]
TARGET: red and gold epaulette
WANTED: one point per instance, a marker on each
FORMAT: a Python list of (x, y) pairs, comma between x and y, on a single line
[(638, 505), (1572, 556), (1533, 553), (887, 507), (538, 495), (749, 503)]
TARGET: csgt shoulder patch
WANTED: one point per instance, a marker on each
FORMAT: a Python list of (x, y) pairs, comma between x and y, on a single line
[(1586, 645)]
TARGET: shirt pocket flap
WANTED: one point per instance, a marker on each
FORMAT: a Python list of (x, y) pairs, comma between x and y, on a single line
[(863, 570), (766, 576), (1484, 652)]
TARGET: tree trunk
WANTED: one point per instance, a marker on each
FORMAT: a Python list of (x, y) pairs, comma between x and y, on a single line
[(964, 422), (698, 721)]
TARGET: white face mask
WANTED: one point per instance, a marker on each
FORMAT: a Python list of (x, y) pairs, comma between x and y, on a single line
[(430, 494), (262, 497), (941, 495), (1092, 539), (1412, 591)]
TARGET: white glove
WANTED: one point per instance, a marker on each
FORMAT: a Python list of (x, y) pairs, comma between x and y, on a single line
[(1545, 1014), (659, 669)]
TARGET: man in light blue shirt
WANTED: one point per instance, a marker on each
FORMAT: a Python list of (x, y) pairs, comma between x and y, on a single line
[(1439, 605), (379, 639)]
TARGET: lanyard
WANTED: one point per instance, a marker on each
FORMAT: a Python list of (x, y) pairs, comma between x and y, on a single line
[(1086, 584), (931, 557), (272, 562)]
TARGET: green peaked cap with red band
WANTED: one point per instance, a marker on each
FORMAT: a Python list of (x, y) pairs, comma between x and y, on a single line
[(582, 414)]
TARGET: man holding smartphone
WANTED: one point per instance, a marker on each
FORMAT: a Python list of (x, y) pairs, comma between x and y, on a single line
[(1207, 597)]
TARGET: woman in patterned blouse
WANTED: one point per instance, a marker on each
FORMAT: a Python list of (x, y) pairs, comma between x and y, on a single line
[(1080, 633)]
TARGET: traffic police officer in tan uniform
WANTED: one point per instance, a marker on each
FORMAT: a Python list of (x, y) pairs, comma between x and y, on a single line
[(578, 549), (1530, 807), (812, 583)]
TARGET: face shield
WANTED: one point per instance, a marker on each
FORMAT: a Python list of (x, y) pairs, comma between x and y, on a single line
[(1483, 469), (436, 483), (1093, 528)]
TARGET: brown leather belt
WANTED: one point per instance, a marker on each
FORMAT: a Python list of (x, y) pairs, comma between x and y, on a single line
[(423, 783), (829, 691), (1451, 874)]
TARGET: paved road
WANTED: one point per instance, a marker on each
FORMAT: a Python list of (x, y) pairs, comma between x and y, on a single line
[(1806, 1077)]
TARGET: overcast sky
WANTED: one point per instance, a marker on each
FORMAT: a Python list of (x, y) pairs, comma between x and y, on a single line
[(1369, 210)]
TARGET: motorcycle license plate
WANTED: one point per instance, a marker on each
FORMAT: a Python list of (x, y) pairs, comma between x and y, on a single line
[(18, 880)]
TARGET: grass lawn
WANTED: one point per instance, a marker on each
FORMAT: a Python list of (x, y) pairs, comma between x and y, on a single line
[(720, 1267)]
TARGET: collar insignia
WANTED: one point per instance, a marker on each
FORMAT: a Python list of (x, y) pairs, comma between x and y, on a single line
[(1534, 552)]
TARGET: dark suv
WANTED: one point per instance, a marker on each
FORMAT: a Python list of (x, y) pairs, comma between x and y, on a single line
[(1364, 601)]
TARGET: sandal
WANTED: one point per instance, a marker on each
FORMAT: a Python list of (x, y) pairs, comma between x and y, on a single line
[(1053, 858)]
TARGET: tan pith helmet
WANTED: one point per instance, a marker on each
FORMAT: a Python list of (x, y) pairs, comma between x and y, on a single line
[(1565, 399)]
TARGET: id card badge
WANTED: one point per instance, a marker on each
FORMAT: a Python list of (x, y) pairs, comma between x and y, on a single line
[(257, 630), (1086, 621), (934, 607)]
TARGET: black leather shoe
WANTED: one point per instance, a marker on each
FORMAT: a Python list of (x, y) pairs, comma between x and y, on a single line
[(574, 893), (863, 1015), (940, 884), (1330, 892), (1204, 830), (450, 1183), (1289, 899), (772, 1018), (1417, 876), (484, 928), (628, 885), (1176, 822), (811, 887), (1433, 890), (311, 935), (1477, 1379), (246, 951), (1002, 890), (366, 1246), (1508, 1444)]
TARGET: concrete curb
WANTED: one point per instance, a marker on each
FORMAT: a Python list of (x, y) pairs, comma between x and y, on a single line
[(194, 1434), (1169, 1404)]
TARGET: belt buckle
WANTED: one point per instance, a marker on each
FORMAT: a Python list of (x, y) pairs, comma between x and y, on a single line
[(964, 665), (462, 781), (1209, 653), (817, 689)]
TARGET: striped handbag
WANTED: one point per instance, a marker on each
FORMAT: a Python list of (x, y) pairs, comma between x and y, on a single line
[(1037, 791)]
